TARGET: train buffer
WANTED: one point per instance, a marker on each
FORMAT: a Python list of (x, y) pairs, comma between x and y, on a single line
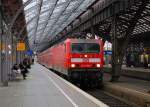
[(43, 88)]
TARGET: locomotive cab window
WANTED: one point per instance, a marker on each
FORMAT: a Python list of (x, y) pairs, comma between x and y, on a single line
[(85, 48)]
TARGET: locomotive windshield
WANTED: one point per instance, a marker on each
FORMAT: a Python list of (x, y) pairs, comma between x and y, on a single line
[(85, 48)]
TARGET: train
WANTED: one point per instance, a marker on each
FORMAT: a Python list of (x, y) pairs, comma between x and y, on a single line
[(80, 60)]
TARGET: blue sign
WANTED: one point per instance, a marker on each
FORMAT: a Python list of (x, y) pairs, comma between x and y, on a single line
[(29, 52), (108, 52)]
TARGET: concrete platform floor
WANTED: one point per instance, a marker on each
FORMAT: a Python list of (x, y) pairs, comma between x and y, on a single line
[(43, 88)]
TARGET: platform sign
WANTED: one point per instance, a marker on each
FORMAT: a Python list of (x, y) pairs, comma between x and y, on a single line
[(2, 46), (20, 46), (108, 52), (29, 52)]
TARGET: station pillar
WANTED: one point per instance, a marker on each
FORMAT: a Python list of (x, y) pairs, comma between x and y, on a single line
[(117, 55), (120, 39), (1, 27), (3, 70)]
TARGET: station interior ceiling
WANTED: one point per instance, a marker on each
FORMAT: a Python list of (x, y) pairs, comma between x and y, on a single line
[(42, 20)]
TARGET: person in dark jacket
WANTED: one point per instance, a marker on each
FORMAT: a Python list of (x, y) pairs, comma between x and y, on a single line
[(15, 67), (32, 60), (23, 70), (145, 60), (26, 62)]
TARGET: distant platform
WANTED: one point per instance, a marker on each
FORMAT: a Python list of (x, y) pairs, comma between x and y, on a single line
[(134, 91), (139, 73)]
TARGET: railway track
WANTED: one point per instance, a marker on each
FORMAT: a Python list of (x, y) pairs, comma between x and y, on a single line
[(102, 96), (107, 99)]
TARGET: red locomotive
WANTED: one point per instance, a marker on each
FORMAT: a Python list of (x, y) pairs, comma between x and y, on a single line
[(81, 60)]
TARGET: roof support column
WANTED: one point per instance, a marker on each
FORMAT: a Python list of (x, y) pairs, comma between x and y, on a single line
[(3, 63), (1, 32), (116, 55), (120, 40)]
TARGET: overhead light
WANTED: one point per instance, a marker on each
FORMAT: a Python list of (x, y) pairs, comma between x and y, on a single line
[(9, 46), (9, 52)]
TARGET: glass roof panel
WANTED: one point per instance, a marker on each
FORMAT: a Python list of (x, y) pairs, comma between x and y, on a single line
[(32, 4), (51, 16)]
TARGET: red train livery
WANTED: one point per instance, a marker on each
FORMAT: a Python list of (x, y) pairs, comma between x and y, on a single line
[(80, 60)]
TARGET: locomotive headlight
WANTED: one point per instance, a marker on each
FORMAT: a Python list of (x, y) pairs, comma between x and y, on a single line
[(98, 65), (85, 56), (73, 65)]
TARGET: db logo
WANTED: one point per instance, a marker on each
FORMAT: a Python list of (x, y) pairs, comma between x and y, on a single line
[(85, 60)]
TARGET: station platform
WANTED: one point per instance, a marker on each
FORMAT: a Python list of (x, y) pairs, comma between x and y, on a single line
[(132, 90), (43, 88), (139, 73)]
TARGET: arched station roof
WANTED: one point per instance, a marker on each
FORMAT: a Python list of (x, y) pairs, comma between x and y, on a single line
[(45, 21), (13, 14), (46, 18)]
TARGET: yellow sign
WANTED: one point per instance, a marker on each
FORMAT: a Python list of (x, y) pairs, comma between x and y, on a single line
[(2, 46), (20, 46)]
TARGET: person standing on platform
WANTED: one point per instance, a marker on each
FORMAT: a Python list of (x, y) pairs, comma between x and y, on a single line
[(26, 63), (128, 64), (23, 70), (132, 59), (145, 60), (32, 60), (148, 61), (142, 60)]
